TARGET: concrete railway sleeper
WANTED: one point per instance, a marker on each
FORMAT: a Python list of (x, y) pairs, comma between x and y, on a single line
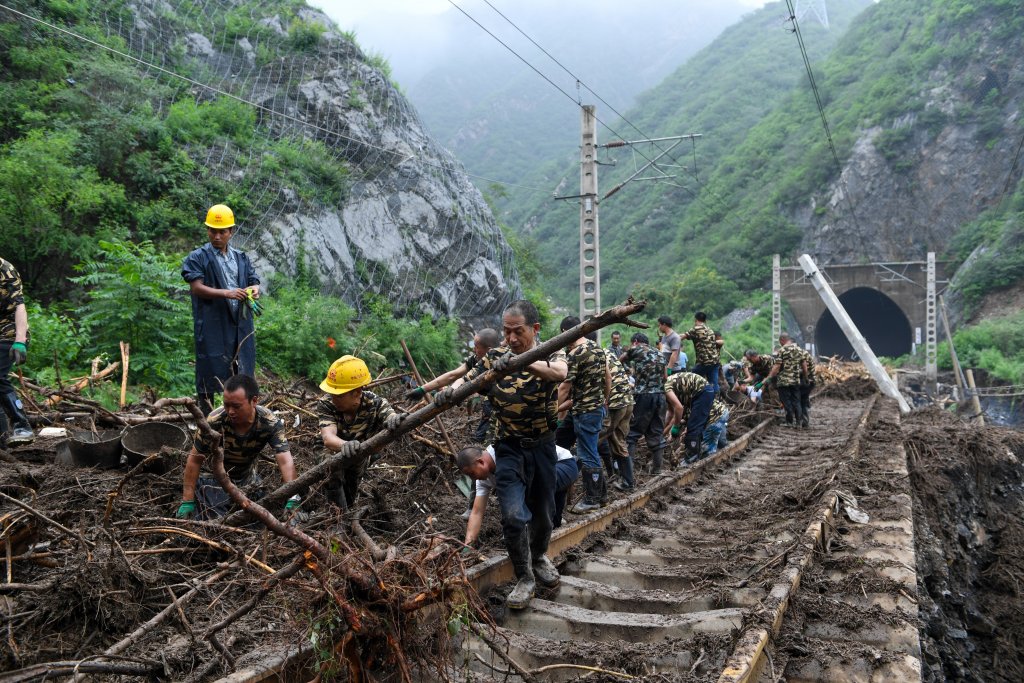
[(691, 578)]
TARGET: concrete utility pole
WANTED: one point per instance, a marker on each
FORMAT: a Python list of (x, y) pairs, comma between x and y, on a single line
[(846, 324), (776, 301), (931, 365), (590, 255)]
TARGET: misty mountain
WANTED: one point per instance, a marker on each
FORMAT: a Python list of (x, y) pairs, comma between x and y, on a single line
[(501, 118)]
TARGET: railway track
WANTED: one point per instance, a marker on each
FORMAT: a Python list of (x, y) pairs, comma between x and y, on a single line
[(698, 575), (692, 581)]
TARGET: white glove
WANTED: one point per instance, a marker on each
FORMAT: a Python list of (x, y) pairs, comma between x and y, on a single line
[(392, 422), (500, 364), (444, 396), (350, 449)]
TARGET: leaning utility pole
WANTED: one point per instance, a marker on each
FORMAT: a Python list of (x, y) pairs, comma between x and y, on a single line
[(776, 301), (849, 328), (590, 255)]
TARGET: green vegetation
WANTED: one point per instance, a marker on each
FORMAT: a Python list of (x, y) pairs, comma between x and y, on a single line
[(995, 346), (134, 293), (99, 201)]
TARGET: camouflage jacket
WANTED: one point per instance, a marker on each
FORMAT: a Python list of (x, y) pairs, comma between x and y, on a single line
[(368, 420), (587, 363), (524, 405), (10, 298), (242, 450), (622, 387), (648, 366), (811, 373), (705, 350), (792, 357), (687, 386), (762, 367)]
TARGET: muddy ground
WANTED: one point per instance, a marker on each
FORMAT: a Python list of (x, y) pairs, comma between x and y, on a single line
[(65, 603)]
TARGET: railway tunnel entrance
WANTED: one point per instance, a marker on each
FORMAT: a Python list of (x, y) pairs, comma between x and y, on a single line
[(879, 318)]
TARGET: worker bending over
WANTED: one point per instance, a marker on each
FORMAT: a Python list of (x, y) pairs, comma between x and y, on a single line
[(692, 400), (478, 464), (247, 428), (348, 416)]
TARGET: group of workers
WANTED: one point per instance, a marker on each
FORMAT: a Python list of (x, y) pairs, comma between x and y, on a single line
[(599, 400)]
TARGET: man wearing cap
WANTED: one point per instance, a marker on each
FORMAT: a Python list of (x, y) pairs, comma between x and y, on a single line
[(350, 415), (247, 429), (222, 282)]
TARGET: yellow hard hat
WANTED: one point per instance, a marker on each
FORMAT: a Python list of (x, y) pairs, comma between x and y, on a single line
[(346, 373), (220, 217)]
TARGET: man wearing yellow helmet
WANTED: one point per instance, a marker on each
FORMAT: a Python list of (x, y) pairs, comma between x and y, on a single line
[(220, 279), (350, 415)]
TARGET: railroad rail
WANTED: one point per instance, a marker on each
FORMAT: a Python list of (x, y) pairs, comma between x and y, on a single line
[(694, 575)]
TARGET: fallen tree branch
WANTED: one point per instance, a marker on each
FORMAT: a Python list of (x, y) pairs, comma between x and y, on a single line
[(46, 669), (57, 525), (377, 442)]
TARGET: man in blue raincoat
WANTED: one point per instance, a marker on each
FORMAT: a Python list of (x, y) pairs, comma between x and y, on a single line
[(221, 279)]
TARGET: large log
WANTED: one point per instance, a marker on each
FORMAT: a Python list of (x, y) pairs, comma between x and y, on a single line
[(378, 441)]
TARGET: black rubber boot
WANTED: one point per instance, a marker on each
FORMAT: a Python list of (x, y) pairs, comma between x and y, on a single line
[(657, 459), (592, 480), (626, 483), (526, 586), (20, 430)]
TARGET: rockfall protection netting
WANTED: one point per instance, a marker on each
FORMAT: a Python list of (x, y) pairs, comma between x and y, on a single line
[(327, 166)]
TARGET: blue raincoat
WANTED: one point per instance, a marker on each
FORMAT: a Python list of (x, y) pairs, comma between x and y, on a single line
[(222, 331)]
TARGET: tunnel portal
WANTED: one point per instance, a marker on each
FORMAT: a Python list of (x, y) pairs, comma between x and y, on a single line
[(879, 319)]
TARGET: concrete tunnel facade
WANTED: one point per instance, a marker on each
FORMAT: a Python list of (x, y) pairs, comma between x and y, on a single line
[(885, 300)]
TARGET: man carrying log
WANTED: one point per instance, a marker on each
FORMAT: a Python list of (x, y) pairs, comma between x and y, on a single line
[(247, 428), (525, 410), (349, 416)]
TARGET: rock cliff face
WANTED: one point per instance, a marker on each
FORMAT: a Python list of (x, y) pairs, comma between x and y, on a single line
[(914, 182), (407, 225)]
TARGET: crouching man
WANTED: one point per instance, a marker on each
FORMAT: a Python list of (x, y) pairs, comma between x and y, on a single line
[(478, 464), (248, 428), (350, 414)]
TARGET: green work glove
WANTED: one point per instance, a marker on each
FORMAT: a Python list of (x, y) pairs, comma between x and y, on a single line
[(18, 353), (186, 510), (256, 306), (293, 503), (757, 387), (675, 430), (415, 394), (560, 424), (668, 372)]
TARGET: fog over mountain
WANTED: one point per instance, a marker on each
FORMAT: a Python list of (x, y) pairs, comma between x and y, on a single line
[(497, 114)]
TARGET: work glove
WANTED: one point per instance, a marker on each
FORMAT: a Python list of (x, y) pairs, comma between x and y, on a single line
[(757, 387), (675, 430), (444, 396), (416, 394), (18, 353), (293, 503), (668, 372), (560, 424), (254, 304), (294, 513), (392, 421), (349, 449), (500, 363), (186, 510)]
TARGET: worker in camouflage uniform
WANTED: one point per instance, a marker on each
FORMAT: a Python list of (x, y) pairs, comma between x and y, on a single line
[(707, 349), (247, 429), (349, 416), (693, 401), (13, 351), (525, 405), (756, 367), (483, 341), (616, 425), (807, 383), (790, 366), (588, 385), (648, 366)]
